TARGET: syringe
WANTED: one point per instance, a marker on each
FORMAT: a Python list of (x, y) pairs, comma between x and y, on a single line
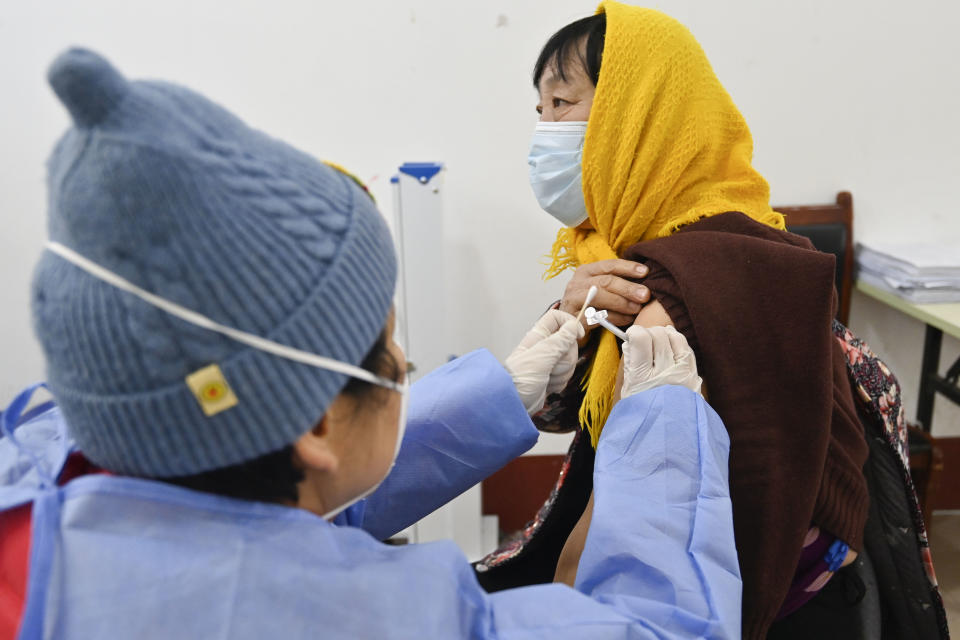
[(600, 318)]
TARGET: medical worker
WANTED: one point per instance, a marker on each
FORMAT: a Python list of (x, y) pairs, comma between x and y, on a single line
[(229, 443)]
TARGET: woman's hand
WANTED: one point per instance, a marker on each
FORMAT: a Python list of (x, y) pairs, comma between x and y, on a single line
[(621, 298)]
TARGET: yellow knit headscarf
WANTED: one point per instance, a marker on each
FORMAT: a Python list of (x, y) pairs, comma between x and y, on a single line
[(665, 147)]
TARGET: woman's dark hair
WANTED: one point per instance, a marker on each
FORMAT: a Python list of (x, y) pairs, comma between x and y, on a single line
[(274, 477), (563, 48)]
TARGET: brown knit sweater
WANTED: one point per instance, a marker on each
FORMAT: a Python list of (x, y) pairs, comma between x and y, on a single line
[(756, 305)]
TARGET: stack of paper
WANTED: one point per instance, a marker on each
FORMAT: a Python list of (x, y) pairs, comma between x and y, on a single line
[(922, 273)]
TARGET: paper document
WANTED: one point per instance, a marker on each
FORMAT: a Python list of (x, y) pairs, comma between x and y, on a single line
[(923, 273)]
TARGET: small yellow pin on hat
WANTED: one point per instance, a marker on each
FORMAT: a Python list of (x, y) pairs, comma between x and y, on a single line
[(211, 390)]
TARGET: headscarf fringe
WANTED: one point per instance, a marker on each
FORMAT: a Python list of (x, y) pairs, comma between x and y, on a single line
[(563, 255), (770, 218), (599, 389)]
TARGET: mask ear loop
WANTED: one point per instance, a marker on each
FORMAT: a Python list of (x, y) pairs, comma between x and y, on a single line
[(14, 417), (202, 321), (243, 337)]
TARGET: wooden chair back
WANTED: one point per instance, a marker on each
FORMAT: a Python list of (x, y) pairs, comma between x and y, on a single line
[(830, 228)]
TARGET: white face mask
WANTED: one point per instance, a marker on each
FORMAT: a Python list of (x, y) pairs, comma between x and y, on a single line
[(556, 152), (254, 341)]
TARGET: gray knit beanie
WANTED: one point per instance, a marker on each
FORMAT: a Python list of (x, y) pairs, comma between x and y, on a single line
[(178, 196)]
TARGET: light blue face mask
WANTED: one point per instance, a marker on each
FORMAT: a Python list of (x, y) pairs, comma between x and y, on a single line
[(555, 158)]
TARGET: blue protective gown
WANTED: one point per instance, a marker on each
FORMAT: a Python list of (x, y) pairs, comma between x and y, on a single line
[(116, 557)]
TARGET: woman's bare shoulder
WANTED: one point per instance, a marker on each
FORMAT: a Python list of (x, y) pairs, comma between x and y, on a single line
[(653, 315)]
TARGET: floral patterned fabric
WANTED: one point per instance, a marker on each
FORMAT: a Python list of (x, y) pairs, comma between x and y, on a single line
[(878, 391), (513, 546)]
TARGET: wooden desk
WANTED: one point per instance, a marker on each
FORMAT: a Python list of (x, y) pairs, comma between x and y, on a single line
[(940, 319)]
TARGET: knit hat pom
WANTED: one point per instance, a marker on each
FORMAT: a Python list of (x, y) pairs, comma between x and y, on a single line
[(87, 85)]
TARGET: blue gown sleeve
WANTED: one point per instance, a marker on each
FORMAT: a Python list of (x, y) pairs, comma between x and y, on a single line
[(658, 562), (659, 559), (465, 421)]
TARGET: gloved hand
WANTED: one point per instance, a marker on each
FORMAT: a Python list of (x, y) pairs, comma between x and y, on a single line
[(545, 359), (657, 356)]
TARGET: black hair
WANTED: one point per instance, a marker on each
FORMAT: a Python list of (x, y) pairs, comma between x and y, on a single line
[(563, 48), (380, 361), (274, 477)]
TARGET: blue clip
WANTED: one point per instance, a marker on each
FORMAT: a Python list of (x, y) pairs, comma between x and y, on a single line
[(422, 171)]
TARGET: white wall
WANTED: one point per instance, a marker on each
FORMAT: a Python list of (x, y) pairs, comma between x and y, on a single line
[(840, 95)]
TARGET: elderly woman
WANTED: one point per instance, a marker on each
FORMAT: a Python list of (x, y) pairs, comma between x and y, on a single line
[(643, 156)]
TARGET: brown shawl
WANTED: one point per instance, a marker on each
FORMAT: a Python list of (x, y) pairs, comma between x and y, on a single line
[(756, 305)]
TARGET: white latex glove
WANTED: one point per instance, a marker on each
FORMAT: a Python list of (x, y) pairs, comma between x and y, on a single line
[(545, 359), (657, 356)]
